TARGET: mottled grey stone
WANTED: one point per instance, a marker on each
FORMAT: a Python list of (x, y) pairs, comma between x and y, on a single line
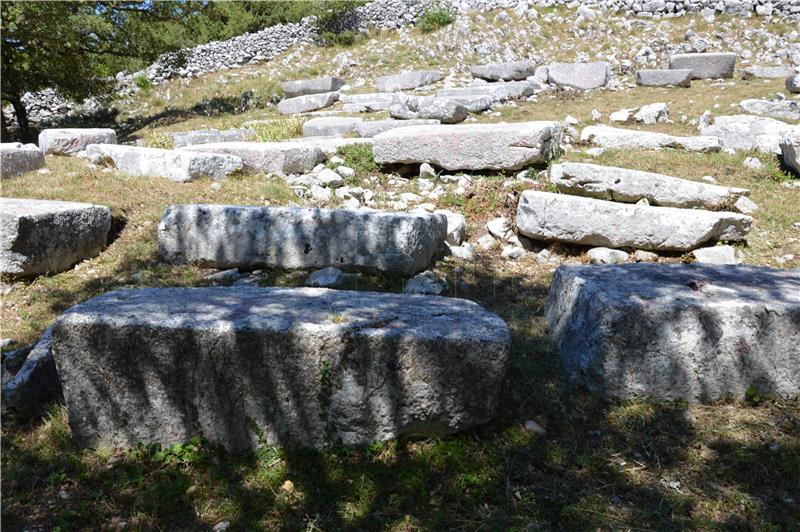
[(747, 132), (204, 136), (790, 149), (35, 384), (444, 110), (705, 65), (41, 236), (618, 138), (178, 165), (407, 80), (664, 78), (302, 87), (330, 126), (766, 72), (70, 141), (17, 158), (793, 83), (584, 76), (514, 70), (371, 128), (229, 236), (498, 92), (371, 102), (307, 103), (246, 366), (785, 109), (269, 157), (689, 332)]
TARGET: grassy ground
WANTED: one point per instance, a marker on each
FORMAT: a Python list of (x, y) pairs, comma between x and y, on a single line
[(635, 465)]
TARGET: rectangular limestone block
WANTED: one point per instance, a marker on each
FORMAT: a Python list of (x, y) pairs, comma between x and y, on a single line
[(17, 158), (178, 165), (371, 128), (42, 236), (244, 366), (673, 331), (269, 157), (230, 236), (705, 65), (470, 147), (70, 141), (330, 126), (664, 78), (620, 138), (205, 136), (302, 87), (307, 103), (593, 222)]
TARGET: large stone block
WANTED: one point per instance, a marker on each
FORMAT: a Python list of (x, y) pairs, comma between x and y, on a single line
[(705, 65), (611, 137), (499, 91), (593, 222), (73, 140), (231, 236), (245, 366), (790, 149), (330, 126), (371, 128), (204, 136), (766, 72), (407, 80), (514, 70), (584, 76), (664, 78), (688, 332), (41, 236), (178, 165), (284, 157), (471, 147), (747, 132), (307, 103), (372, 102), (782, 109), (302, 87), (631, 186), (445, 110), (329, 145), (17, 158)]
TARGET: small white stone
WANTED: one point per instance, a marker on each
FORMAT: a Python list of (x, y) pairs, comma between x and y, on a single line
[(345, 171), (426, 170), (745, 205)]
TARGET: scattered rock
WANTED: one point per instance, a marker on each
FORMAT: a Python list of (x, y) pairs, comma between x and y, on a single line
[(224, 276), (425, 283), (716, 255), (329, 277), (653, 113), (606, 256)]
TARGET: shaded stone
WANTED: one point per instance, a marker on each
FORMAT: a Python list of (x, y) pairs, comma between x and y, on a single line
[(514, 70), (616, 329), (664, 78), (302, 87), (246, 366), (178, 165), (70, 141), (705, 65), (17, 158), (35, 384), (270, 157)]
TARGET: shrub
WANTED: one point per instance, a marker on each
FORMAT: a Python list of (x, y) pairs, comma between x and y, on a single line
[(344, 38), (278, 129), (434, 17), (143, 82), (359, 158)]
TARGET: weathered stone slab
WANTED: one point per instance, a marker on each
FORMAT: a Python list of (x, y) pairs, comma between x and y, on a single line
[(244, 366), (233, 236), (35, 384), (17, 158), (407, 80), (204, 136), (610, 137), (445, 110), (471, 147), (73, 140), (781, 109), (664, 78), (41, 236), (329, 145), (705, 65), (669, 331), (371, 102), (630, 186), (747, 132), (584, 76), (373, 127), (302, 87), (790, 149), (330, 126), (766, 72), (514, 70), (178, 165), (305, 104), (499, 91), (593, 222), (285, 157)]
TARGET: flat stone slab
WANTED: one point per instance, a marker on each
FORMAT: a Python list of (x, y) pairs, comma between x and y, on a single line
[(664, 78), (70, 141), (371, 102), (307, 103), (179, 165), (407, 80), (514, 70), (671, 331), (244, 366), (371, 128), (17, 158), (471, 147), (233, 236), (593, 222), (329, 145), (302, 87), (204, 136), (767, 72), (330, 126), (42, 236), (630, 186), (790, 149), (584, 76), (705, 65), (270, 157), (747, 132), (611, 137), (499, 91), (785, 109)]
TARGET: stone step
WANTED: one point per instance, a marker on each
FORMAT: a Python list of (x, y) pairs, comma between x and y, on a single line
[(232, 236), (42, 236), (592, 222), (688, 332), (244, 366), (618, 138), (705, 65), (630, 186), (270, 157), (17, 158), (70, 141), (179, 165), (471, 147)]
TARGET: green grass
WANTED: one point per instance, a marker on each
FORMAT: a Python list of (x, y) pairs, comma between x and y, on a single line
[(278, 129)]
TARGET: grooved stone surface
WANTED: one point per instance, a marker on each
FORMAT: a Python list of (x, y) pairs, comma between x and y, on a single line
[(692, 332), (290, 366), (231, 236)]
